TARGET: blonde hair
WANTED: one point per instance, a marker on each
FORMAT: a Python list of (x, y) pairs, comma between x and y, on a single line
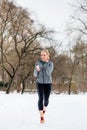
[(47, 52)]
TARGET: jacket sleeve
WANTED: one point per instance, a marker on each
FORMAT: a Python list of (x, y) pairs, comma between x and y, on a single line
[(49, 68), (35, 71)]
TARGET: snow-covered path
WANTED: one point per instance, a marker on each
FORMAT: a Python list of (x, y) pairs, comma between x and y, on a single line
[(19, 112)]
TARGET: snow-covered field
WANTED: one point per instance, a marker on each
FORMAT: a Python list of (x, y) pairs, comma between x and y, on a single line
[(19, 112)]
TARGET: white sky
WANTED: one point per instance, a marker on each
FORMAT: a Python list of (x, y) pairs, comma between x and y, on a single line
[(51, 13)]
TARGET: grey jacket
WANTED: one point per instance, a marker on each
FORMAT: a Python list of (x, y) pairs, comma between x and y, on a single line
[(44, 75)]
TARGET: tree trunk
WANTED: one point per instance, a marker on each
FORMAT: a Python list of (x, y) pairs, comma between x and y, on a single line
[(69, 89), (2, 61), (9, 86), (23, 83)]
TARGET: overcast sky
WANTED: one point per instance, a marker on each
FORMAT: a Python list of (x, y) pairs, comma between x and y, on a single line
[(52, 13)]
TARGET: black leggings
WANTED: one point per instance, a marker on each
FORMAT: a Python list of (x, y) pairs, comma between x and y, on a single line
[(44, 91)]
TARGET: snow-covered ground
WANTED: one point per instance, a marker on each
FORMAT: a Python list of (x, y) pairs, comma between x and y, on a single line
[(19, 112)]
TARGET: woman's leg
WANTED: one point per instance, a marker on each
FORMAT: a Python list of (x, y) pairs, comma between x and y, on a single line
[(40, 91), (47, 91)]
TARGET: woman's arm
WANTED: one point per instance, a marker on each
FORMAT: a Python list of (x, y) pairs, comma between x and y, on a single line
[(35, 70)]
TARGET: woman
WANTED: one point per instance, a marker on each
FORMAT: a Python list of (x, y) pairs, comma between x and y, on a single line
[(43, 70)]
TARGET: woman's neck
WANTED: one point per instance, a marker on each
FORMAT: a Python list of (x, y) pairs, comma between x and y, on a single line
[(45, 60)]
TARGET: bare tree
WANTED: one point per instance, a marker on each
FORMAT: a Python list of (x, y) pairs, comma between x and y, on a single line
[(20, 38), (77, 31), (3, 25)]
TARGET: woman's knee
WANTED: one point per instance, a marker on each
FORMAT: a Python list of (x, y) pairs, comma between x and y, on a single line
[(46, 103)]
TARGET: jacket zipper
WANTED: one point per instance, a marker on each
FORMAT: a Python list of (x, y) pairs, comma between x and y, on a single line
[(43, 74)]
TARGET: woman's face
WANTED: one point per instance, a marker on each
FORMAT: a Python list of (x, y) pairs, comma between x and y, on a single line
[(44, 56)]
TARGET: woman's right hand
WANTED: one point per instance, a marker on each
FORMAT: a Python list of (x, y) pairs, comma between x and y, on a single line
[(37, 68)]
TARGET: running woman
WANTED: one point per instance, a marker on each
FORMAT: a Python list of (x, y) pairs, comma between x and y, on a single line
[(43, 72)]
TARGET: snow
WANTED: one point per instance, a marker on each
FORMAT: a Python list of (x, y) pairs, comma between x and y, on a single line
[(65, 112)]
